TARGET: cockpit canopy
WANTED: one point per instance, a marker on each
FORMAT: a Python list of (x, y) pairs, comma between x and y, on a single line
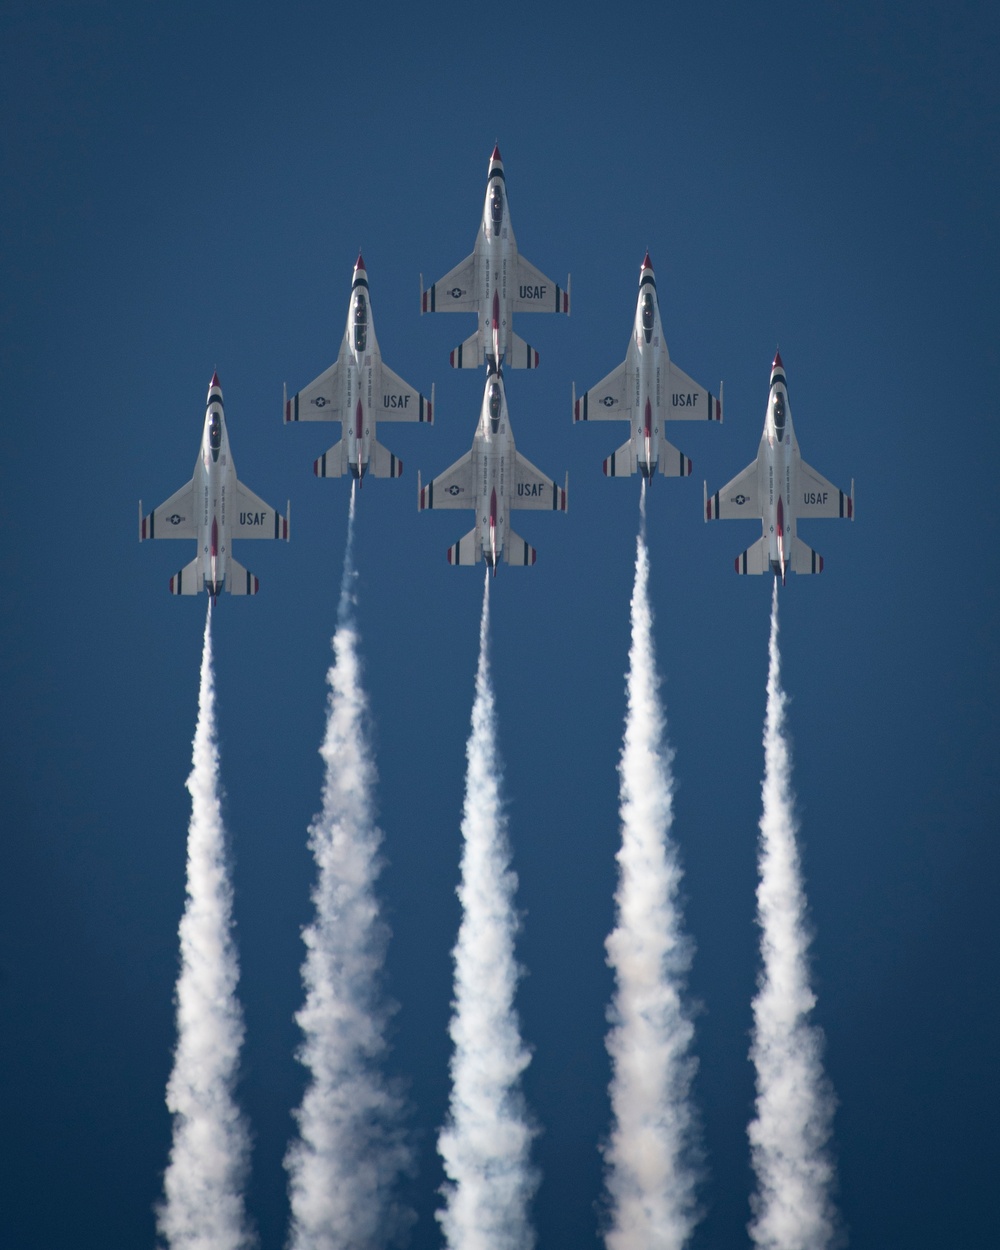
[(360, 322), (215, 432), (496, 207), (493, 403), (647, 312), (778, 413)]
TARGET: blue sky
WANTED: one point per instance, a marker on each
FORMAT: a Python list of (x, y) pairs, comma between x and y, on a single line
[(187, 189)]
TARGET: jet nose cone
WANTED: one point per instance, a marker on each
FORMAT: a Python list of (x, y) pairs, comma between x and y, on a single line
[(496, 158), (647, 263), (214, 381), (359, 263), (777, 361)]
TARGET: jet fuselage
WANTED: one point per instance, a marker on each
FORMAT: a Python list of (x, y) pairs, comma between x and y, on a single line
[(360, 375), (214, 476), (650, 367), (496, 265), (492, 465), (778, 464)]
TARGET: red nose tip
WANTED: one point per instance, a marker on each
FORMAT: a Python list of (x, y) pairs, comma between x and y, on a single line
[(647, 263), (360, 262), (496, 153), (214, 381), (777, 361)]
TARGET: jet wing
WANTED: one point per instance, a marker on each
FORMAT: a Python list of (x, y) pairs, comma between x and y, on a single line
[(738, 498), (173, 519), (454, 488), (320, 400), (455, 292), (820, 498), (536, 293), (608, 400), (401, 401), (253, 518), (532, 489), (688, 400)]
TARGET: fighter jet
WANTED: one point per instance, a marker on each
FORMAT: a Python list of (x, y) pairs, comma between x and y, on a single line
[(495, 282), (357, 390), (492, 479), (779, 487), (647, 389), (213, 508)]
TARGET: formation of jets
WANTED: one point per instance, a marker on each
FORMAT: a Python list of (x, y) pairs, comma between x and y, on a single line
[(493, 478)]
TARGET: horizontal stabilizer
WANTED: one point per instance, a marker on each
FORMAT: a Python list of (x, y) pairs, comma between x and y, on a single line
[(383, 463), (804, 559), (332, 462), (189, 581), (755, 559), (520, 355), (240, 581), (621, 463), (468, 355), (517, 551), (464, 551), (672, 462)]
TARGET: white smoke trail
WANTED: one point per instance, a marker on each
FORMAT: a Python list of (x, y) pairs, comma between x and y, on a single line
[(203, 1183), (344, 1166), (486, 1141), (792, 1208), (651, 1155)]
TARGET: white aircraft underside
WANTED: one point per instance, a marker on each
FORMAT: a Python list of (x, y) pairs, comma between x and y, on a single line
[(358, 390), (494, 283), (213, 508), (647, 389), (779, 488), (493, 479)]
